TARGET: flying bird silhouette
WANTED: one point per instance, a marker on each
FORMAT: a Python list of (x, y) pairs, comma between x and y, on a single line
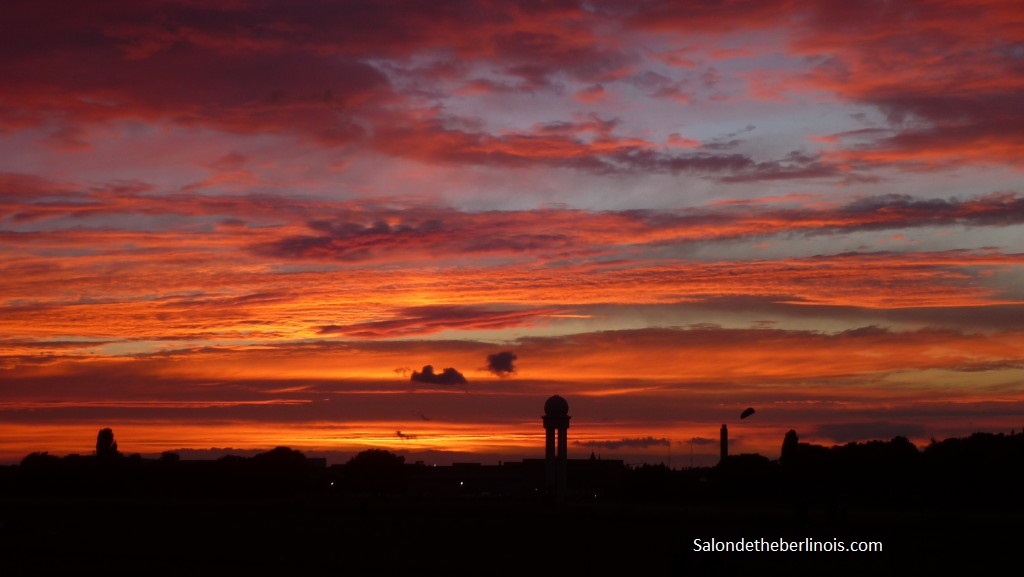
[(747, 412)]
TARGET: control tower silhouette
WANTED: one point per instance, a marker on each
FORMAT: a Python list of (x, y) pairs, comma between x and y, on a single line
[(556, 417)]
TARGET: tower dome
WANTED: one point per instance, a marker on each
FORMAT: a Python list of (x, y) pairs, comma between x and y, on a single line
[(556, 406)]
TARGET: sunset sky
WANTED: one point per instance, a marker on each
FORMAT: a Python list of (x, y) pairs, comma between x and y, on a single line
[(244, 224)]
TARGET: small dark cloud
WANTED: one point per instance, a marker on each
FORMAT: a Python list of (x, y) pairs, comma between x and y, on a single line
[(448, 376), (638, 443), (703, 441), (501, 364)]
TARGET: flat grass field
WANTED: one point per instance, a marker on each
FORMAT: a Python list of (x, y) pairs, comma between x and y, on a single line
[(329, 535)]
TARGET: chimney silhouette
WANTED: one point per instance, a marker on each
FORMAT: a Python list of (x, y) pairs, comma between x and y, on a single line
[(724, 449)]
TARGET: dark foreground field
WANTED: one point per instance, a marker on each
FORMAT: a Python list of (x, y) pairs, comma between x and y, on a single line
[(321, 534)]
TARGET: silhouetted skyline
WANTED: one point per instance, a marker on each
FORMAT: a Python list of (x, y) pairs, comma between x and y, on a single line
[(901, 499), (840, 490)]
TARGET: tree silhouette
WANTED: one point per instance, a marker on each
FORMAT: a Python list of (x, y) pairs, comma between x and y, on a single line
[(106, 446), (281, 457), (790, 445), (376, 470), (169, 457), (40, 459), (376, 458)]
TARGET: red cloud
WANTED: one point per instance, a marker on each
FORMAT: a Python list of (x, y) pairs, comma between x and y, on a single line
[(945, 73)]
